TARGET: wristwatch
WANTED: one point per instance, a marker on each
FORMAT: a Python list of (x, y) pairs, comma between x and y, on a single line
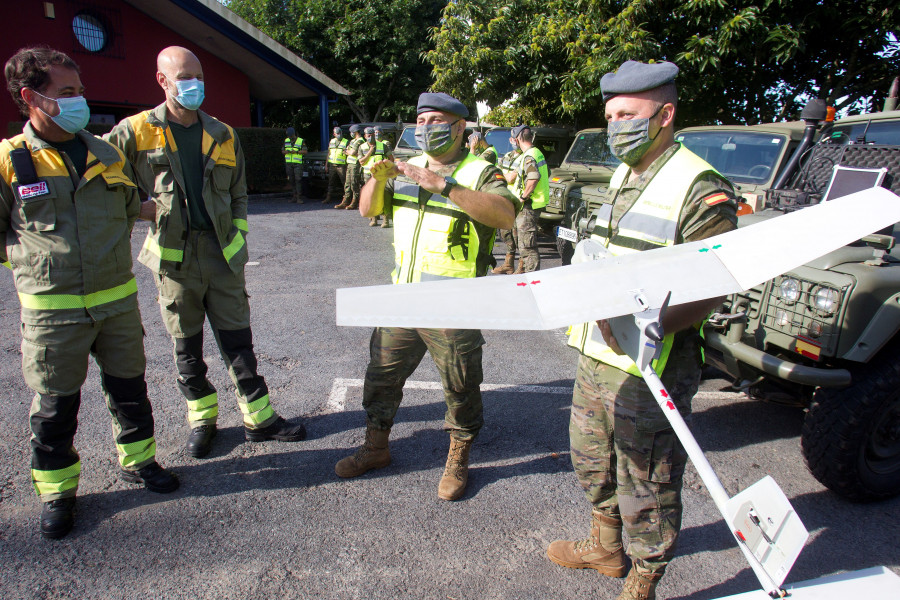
[(450, 182)]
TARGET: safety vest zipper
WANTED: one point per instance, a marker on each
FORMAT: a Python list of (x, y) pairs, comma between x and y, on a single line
[(415, 241)]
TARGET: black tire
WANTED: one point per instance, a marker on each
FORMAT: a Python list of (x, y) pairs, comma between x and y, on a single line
[(851, 437), (566, 250)]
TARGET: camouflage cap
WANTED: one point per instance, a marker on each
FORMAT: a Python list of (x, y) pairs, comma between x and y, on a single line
[(355, 128), (634, 76), (369, 130), (378, 129), (441, 102)]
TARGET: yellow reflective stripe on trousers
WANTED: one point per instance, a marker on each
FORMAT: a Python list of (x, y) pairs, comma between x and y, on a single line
[(241, 224), (56, 482), (204, 408), (136, 454), (172, 254), (62, 301), (256, 412), (232, 248)]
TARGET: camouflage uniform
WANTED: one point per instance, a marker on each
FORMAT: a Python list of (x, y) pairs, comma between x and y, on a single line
[(510, 237), (526, 235), (626, 456), (396, 352), (354, 179)]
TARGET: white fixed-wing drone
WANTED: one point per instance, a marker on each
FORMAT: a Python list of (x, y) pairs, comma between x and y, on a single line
[(633, 291)]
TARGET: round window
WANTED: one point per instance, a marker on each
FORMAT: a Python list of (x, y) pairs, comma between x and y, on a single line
[(90, 32)]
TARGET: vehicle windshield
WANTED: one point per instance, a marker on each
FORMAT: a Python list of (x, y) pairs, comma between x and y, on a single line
[(592, 149), (408, 139), (499, 139), (742, 157)]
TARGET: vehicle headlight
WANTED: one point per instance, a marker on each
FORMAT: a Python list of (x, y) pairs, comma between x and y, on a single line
[(789, 290), (825, 299), (782, 318)]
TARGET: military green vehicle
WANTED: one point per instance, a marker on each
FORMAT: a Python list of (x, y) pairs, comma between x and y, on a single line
[(824, 337), (588, 163)]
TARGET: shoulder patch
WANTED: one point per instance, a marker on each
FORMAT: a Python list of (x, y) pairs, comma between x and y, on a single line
[(716, 199)]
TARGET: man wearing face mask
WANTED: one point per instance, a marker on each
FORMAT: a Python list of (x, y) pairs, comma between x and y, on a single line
[(375, 150), (294, 150), (354, 169), (446, 205), (480, 148), (531, 183), (336, 167), (67, 206), (625, 454), (192, 168)]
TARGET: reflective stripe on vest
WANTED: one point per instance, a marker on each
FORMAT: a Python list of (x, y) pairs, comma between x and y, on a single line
[(336, 154), (652, 222), (352, 160), (436, 239), (67, 301), (541, 193), (292, 151)]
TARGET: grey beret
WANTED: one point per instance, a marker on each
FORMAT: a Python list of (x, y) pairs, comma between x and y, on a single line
[(517, 131), (442, 102), (290, 132), (369, 130), (354, 128), (635, 76)]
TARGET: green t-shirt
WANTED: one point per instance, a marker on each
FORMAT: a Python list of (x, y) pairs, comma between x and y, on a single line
[(189, 141)]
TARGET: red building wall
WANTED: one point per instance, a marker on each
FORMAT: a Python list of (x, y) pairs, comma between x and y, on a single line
[(120, 80)]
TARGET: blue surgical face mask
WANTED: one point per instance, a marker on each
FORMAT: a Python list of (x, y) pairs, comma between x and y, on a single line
[(190, 93), (435, 139), (74, 113)]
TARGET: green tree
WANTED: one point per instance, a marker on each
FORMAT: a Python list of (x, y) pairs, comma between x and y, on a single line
[(374, 49), (741, 61)]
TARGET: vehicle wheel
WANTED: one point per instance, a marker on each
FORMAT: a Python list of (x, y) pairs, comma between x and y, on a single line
[(566, 250), (851, 437)]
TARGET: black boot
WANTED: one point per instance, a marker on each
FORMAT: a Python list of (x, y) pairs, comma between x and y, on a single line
[(199, 443), (57, 518), (154, 477), (280, 431)]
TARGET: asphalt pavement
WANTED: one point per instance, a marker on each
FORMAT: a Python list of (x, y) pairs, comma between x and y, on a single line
[(272, 520)]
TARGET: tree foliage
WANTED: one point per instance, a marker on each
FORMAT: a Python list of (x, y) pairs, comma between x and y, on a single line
[(742, 61), (374, 49)]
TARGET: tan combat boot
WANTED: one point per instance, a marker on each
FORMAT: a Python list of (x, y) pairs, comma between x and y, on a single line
[(373, 454), (345, 202), (386, 223), (456, 471), (373, 221), (640, 586), (352, 206), (507, 267), (602, 551)]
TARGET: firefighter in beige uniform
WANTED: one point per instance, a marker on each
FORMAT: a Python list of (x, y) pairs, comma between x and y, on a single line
[(67, 206), (192, 168)]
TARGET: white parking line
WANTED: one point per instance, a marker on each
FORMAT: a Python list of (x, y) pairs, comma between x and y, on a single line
[(337, 399)]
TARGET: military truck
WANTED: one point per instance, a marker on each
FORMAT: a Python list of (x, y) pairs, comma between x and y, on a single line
[(824, 337)]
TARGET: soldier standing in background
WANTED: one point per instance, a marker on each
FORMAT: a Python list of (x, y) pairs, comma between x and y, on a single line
[(336, 166), (354, 170), (375, 149), (531, 182), (294, 149), (480, 148), (508, 164)]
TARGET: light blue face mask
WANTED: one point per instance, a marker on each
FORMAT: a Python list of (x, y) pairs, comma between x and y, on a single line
[(74, 113), (190, 93)]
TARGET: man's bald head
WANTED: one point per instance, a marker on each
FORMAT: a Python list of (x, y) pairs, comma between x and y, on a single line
[(175, 58)]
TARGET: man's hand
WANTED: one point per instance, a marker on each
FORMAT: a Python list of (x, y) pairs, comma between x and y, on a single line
[(429, 180), (608, 337), (148, 211), (384, 170)]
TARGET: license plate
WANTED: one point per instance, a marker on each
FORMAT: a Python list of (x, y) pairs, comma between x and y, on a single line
[(567, 234)]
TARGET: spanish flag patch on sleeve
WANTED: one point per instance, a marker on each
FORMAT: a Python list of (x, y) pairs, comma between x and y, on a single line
[(499, 177), (716, 199)]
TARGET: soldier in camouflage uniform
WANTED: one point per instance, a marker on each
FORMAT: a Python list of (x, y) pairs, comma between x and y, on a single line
[(446, 205), (354, 170), (508, 163), (626, 456)]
